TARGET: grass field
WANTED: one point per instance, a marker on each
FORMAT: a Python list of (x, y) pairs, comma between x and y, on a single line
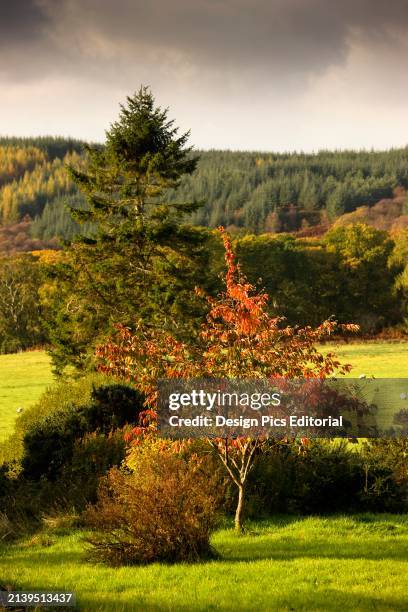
[(24, 376), (286, 564), (383, 360), (289, 564), (379, 359)]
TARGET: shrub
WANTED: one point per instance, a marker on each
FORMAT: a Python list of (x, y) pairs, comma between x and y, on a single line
[(271, 481), (6, 527), (329, 476), (92, 457), (164, 510), (63, 395), (4, 480), (48, 443), (57, 454), (76, 484), (385, 468), (113, 405)]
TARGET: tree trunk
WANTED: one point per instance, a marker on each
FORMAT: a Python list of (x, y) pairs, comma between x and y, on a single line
[(239, 510)]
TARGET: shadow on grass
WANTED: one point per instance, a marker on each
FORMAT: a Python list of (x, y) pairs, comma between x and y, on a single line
[(248, 549), (324, 600), (359, 537), (289, 548)]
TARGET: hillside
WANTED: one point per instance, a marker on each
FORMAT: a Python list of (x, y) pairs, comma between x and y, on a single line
[(244, 191), (388, 214)]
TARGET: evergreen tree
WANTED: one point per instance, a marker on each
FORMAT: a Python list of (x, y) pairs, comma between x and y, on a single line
[(140, 264)]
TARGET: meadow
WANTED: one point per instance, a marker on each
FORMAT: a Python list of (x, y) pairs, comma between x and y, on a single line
[(379, 359), (24, 376), (286, 564)]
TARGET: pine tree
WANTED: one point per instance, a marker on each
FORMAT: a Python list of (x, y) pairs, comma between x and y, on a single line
[(141, 263)]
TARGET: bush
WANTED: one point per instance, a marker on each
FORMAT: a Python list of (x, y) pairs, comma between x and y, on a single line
[(63, 395), (92, 457), (6, 527), (164, 510), (108, 403), (385, 468), (77, 482), (329, 476), (4, 481), (63, 445), (48, 443), (321, 477)]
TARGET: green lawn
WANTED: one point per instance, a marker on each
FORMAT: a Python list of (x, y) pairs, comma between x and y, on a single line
[(342, 563), (23, 378)]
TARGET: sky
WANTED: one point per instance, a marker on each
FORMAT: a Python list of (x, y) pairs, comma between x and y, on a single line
[(271, 75)]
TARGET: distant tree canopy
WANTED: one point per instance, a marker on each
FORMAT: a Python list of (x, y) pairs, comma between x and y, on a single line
[(123, 209), (30, 194), (348, 275), (52, 146), (247, 191), (278, 192), (354, 273)]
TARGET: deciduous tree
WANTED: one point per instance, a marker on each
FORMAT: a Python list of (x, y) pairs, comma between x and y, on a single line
[(239, 339)]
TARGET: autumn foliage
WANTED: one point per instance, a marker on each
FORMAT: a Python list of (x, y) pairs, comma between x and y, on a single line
[(164, 510), (239, 339)]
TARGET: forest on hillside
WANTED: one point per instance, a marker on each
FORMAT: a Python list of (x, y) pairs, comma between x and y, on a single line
[(247, 192), (301, 227), (325, 235)]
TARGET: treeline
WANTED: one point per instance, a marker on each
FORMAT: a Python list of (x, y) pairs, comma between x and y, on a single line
[(29, 194), (34, 183), (284, 192), (354, 274), (244, 191), (51, 146)]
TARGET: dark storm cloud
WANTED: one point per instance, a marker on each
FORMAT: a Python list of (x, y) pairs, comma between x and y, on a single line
[(282, 74), (21, 21), (282, 37)]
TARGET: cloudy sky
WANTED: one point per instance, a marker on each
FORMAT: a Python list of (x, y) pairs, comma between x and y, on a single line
[(241, 74)]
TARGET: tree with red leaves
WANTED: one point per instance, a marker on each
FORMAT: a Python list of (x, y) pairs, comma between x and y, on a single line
[(239, 339)]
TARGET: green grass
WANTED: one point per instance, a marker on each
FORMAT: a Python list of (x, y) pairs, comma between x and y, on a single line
[(382, 360), (379, 359), (288, 564), (23, 378), (341, 563)]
